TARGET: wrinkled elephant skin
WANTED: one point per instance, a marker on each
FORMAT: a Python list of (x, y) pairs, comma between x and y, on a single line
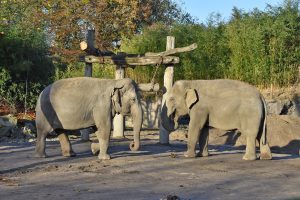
[(222, 104), (76, 103)]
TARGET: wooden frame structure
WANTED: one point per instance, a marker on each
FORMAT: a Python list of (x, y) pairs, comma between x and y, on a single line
[(123, 60)]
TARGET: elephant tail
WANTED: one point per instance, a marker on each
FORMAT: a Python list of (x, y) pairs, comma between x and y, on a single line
[(264, 128)]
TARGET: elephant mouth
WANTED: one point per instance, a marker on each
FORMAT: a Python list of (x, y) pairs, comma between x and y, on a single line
[(172, 115)]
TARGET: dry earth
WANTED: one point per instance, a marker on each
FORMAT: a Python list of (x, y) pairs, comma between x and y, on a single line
[(154, 172)]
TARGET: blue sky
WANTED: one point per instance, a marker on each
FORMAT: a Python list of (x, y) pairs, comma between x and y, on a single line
[(201, 9)]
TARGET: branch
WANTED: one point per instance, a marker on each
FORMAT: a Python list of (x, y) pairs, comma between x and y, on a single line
[(148, 87), (173, 51)]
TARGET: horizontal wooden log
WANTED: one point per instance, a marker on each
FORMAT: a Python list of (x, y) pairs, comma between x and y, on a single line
[(125, 60), (173, 51), (148, 87)]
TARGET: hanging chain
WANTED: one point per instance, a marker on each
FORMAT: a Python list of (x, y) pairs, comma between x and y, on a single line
[(155, 72)]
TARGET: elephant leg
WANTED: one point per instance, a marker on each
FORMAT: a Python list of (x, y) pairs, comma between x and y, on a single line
[(40, 143), (95, 148), (265, 151), (103, 123), (66, 147), (195, 127), (250, 147), (103, 138), (203, 142)]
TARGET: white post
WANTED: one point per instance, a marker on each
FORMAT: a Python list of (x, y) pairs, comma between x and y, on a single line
[(168, 83), (118, 122)]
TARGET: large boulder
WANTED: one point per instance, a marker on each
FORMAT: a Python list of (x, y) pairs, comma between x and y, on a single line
[(283, 133), (8, 125), (283, 107)]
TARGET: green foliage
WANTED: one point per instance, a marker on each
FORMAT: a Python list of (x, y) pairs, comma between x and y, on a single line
[(205, 62), (14, 93), (77, 70), (259, 47), (152, 40), (23, 58), (265, 46)]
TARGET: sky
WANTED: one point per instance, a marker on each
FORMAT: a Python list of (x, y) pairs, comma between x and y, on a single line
[(201, 9)]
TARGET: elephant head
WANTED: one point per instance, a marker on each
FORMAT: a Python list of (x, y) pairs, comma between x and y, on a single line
[(126, 101), (178, 103)]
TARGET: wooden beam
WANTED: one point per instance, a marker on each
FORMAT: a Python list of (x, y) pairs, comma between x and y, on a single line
[(173, 51), (123, 60), (148, 87)]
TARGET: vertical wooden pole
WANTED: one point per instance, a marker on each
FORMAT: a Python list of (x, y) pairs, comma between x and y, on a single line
[(118, 122), (168, 83), (88, 72), (90, 42)]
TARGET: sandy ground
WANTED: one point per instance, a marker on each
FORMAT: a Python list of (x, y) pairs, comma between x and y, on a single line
[(155, 172)]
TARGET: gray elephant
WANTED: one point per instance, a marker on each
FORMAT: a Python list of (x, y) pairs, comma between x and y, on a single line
[(222, 104), (76, 103)]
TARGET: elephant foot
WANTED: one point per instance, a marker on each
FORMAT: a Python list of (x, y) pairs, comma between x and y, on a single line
[(104, 157), (265, 157), (189, 154), (40, 155), (249, 157), (265, 152), (69, 154), (95, 148), (203, 154)]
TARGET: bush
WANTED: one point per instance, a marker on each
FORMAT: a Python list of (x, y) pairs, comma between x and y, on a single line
[(14, 94), (258, 47)]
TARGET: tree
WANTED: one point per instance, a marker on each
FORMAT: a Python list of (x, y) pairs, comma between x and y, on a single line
[(25, 67), (67, 22)]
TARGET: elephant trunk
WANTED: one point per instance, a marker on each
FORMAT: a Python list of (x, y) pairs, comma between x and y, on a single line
[(167, 120), (137, 118)]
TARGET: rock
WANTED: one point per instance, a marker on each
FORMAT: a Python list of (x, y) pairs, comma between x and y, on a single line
[(283, 133), (171, 197), (8, 125), (274, 107), (281, 107)]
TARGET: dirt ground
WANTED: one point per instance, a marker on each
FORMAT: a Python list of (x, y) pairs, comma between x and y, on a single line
[(155, 172)]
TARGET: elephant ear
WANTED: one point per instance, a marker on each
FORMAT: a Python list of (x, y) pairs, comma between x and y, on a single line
[(191, 97), (116, 100)]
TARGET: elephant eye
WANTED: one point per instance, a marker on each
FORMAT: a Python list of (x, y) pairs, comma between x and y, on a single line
[(132, 100)]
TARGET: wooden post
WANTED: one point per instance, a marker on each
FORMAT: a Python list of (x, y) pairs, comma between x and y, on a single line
[(118, 122), (90, 43), (88, 72), (168, 83)]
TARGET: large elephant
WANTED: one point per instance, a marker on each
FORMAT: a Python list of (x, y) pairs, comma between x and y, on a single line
[(76, 103), (222, 104)]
